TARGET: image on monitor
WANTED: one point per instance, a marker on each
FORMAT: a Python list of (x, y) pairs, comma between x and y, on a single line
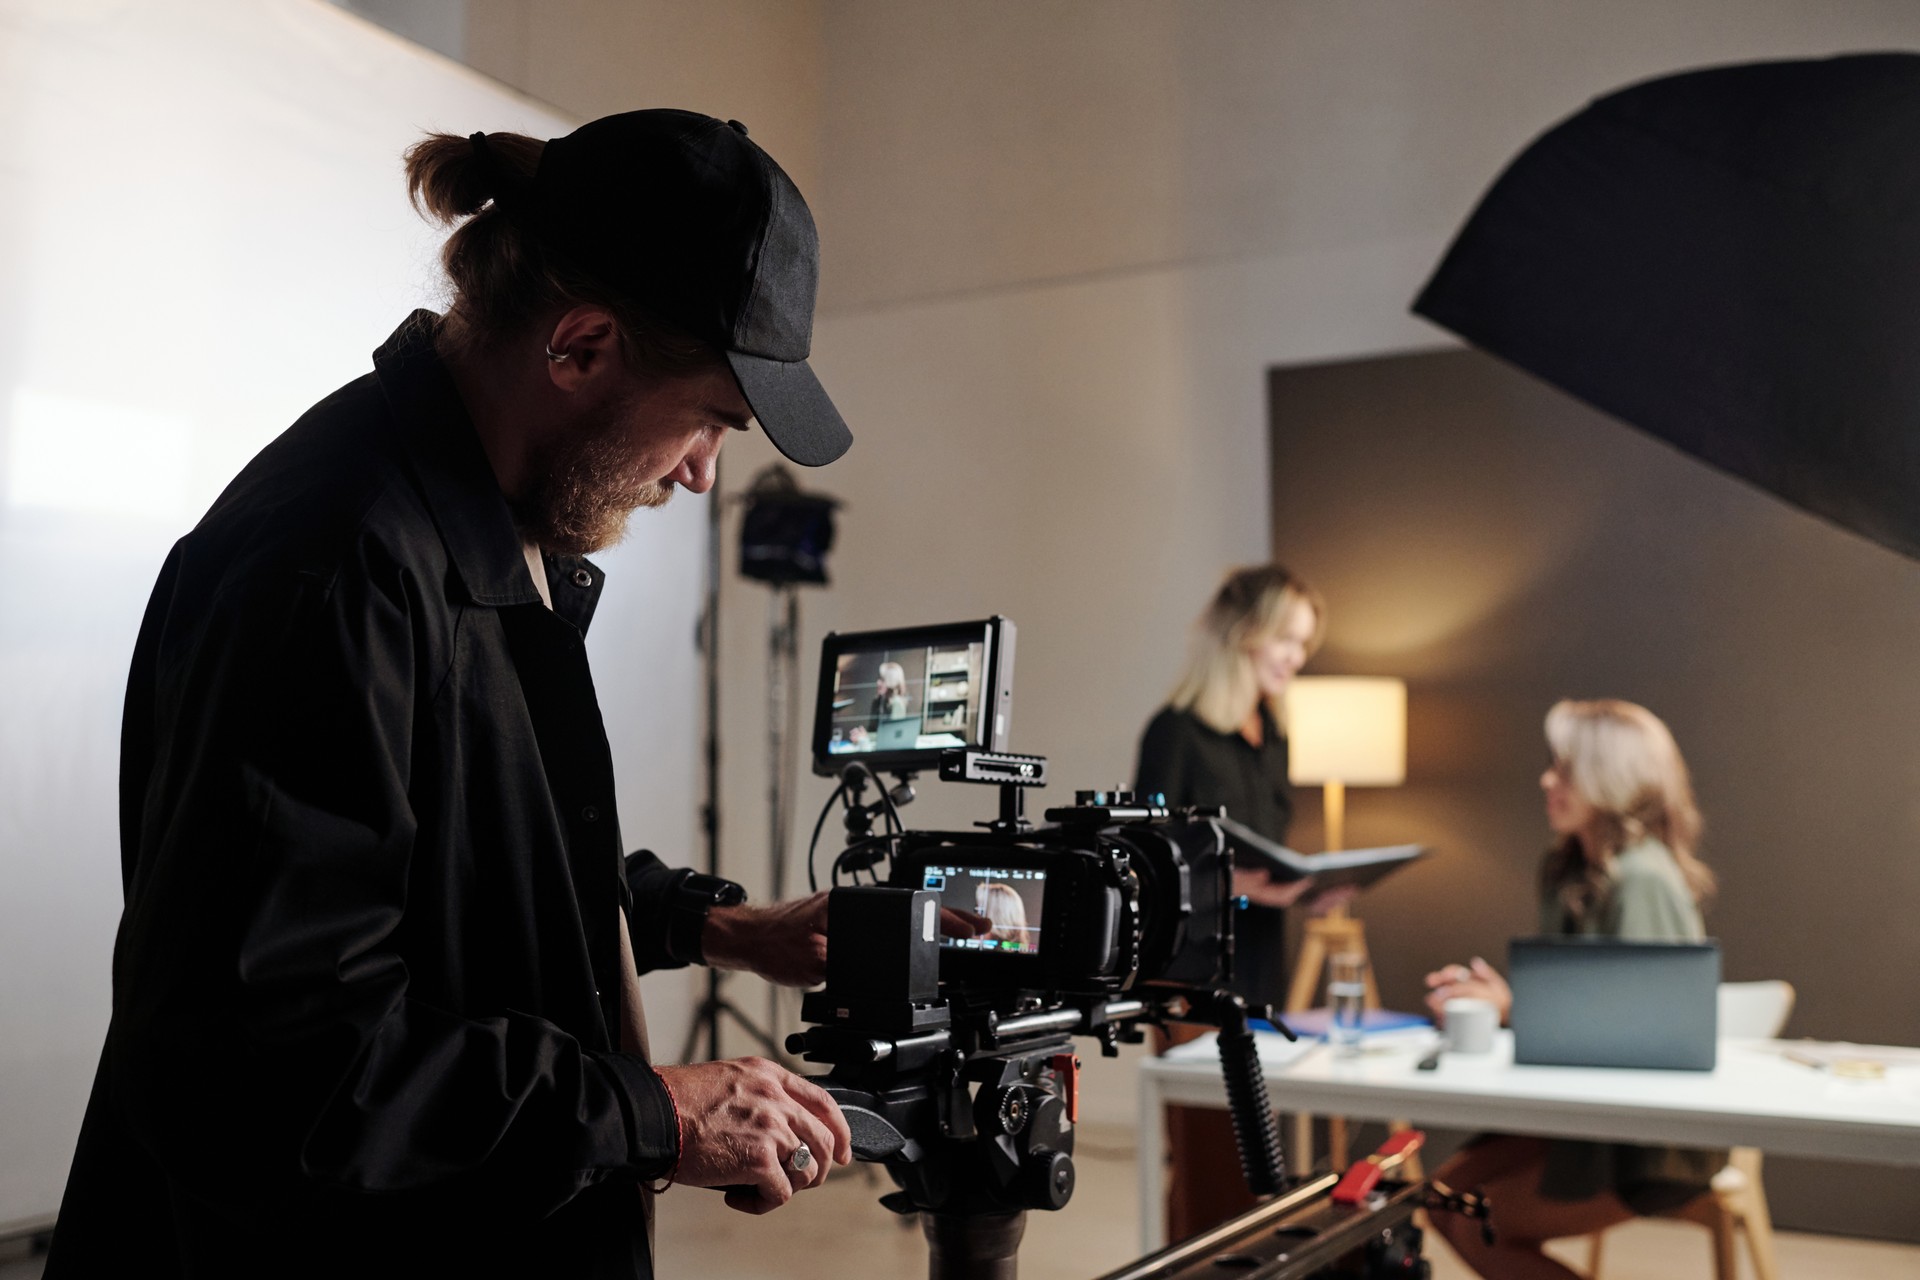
[(1011, 899), (907, 698)]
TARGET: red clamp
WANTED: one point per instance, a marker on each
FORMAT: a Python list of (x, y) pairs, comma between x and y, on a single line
[(1066, 1066), (1361, 1178)]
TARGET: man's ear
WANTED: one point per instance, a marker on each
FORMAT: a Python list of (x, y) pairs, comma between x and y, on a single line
[(583, 346)]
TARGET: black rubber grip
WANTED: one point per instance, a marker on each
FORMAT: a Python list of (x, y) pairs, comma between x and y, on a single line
[(1253, 1124)]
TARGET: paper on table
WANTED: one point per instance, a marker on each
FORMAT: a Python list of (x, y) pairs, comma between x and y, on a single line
[(1829, 1053), (1275, 1049)]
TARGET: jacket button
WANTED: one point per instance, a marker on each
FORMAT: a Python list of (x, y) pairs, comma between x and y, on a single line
[(581, 578), (589, 814)]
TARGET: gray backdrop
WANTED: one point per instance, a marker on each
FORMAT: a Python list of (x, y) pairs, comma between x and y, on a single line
[(1500, 545)]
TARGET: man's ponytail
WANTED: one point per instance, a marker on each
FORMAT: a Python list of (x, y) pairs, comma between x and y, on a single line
[(450, 177)]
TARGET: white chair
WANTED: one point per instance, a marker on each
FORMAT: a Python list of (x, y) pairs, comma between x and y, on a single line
[(1738, 1201)]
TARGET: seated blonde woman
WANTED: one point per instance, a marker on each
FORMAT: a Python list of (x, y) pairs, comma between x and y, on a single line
[(1621, 808)]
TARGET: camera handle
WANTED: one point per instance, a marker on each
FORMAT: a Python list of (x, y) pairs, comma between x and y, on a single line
[(1255, 1131)]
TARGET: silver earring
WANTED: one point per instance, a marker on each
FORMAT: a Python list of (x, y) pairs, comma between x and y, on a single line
[(558, 357)]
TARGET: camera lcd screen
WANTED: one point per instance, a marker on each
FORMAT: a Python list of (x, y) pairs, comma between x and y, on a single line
[(897, 699), (1011, 899)]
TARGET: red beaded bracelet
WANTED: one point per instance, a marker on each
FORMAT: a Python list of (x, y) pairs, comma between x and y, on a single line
[(679, 1137)]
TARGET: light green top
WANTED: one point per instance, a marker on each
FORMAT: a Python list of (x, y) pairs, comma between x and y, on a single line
[(1646, 901)]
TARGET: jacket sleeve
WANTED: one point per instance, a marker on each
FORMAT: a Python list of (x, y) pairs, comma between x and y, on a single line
[(263, 1010), (650, 910)]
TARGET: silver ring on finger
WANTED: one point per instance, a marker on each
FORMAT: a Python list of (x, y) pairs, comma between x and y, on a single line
[(802, 1158)]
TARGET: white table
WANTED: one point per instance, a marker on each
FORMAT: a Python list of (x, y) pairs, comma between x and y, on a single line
[(1753, 1098)]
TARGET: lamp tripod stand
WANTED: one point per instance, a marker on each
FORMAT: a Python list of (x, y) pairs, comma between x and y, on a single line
[(715, 1006)]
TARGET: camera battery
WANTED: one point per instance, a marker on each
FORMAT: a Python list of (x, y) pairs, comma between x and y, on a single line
[(883, 960)]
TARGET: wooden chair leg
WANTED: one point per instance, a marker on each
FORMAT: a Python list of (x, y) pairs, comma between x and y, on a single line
[(1337, 1142), (1711, 1212), (1301, 1157), (1726, 1261), (1750, 1210)]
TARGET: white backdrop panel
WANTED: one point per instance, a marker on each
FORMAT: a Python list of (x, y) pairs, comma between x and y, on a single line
[(203, 230)]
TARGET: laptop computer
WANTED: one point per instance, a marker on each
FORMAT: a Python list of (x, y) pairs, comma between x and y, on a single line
[(1601, 1002), (897, 735)]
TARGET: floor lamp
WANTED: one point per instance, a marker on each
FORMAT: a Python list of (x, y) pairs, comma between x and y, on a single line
[(1342, 731)]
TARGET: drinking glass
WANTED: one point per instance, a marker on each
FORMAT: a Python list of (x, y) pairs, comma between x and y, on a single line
[(1347, 994)]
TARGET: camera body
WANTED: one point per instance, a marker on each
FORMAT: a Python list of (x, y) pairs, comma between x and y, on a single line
[(1112, 893), (952, 1051)]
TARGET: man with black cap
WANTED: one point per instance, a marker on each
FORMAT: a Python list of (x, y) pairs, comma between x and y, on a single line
[(375, 987)]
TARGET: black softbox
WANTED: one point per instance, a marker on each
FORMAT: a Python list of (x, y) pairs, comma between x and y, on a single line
[(1728, 259)]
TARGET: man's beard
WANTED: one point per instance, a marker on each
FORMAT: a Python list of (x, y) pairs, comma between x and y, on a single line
[(584, 488)]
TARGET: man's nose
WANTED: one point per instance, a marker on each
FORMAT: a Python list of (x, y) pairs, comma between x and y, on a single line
[(695, 472)]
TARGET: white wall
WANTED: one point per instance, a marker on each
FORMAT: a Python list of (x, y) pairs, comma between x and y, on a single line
[(205, 229)]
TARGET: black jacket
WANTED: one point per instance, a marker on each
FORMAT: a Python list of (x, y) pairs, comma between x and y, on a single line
[(1192, 763), (365, 1007)]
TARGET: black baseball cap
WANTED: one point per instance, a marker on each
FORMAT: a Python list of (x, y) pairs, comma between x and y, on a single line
[(689, 218)]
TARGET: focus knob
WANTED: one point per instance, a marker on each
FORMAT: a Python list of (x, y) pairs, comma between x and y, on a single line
[(1012, 1111), (1047, 1179)]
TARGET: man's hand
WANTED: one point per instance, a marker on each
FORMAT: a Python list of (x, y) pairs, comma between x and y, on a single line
[(740, 1123), (787, 942), (784, 943)]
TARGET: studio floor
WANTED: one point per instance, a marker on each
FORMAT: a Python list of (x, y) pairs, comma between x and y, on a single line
[(839, 1231)]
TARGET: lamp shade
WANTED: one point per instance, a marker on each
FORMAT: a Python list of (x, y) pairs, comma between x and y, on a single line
[(1347, 729)]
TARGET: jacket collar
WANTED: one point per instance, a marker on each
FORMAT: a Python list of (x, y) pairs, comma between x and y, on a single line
[(461, 492)]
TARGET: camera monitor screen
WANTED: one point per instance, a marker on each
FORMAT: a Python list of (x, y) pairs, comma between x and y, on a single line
[(1010, 898), (896, 699)]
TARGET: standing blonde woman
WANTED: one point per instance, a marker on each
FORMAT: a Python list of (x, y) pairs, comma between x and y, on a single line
[(1623, 865), (1220, 739)]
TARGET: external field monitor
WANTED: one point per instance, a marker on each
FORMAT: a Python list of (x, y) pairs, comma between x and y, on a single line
[(894, 700)]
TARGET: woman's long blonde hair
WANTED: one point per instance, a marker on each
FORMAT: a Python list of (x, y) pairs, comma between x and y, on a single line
[(1252, 605), (1625, 764), (1003, 906)]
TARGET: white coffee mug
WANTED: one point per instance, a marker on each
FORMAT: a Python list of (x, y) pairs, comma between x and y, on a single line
[(1470, 1025)]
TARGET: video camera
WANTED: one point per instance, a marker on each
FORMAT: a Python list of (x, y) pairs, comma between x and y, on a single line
[(951, 1048)]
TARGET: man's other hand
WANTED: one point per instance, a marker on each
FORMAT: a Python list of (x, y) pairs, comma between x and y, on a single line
[(787, 942), (784, 943), (740, 1123)]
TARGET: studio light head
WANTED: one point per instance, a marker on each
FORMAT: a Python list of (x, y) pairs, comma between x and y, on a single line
[(785, 534)]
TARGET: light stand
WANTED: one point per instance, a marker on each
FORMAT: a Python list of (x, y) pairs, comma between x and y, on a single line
[(784, 538), (783, 717), (706, 1018)]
